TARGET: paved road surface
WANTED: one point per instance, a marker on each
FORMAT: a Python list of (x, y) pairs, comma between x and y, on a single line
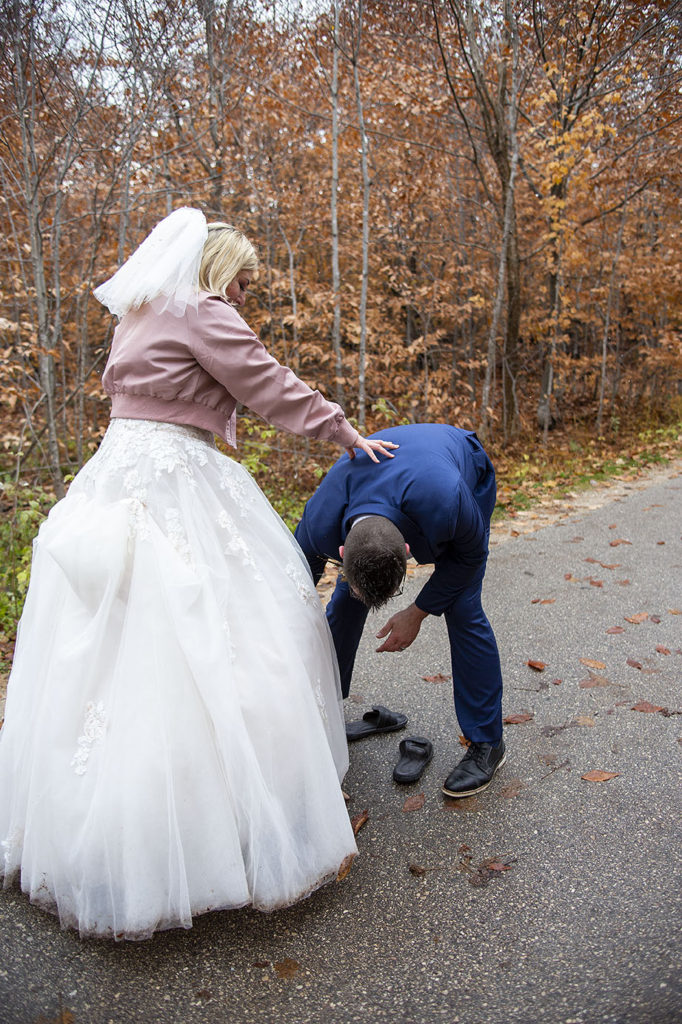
[(585, 925)]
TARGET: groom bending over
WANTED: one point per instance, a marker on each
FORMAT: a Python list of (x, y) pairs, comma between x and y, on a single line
[(434, 501)]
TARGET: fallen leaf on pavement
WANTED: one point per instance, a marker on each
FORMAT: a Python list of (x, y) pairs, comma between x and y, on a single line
[(674, 611), (634, 664), (517, 719), (414, 803), (645, 705), (619, 540), (463, 741), (539, 666), (286, 968), (593, 680), (662, 650), (417, 869), (591, 663), (623, 583), (359, 820), (637, 617), (596, 583), (346, 865), (496, 865), (488, 869), (438, 678), (545, 600), (597, 775), (584, 720), (616, 629)]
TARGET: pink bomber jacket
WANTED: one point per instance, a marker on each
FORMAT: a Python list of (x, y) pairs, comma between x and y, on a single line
[(193, 370)]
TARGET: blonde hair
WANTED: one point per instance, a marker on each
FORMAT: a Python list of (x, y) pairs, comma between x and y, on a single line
[(227, 252)]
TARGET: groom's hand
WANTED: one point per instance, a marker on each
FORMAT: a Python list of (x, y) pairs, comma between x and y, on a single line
[(401, 629)]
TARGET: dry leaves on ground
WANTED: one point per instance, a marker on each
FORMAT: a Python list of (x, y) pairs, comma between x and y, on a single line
[(286, 968), (647, 706), (346, 865), (594, 680), (597, 775), (591, 663), (359, 820), (491, 868)]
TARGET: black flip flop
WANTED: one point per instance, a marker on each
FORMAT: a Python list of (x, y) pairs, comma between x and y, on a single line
[(415, 754), (379, 719)]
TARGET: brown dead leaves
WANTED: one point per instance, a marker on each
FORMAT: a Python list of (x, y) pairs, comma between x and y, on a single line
[(537, 666), (286, 968), (488, 869), (414, 803), (359, 820), (518, 719), (594, 680), (591, 663), (346, 865), (637, 618), (646, 706), (437, 678), (598, 775)]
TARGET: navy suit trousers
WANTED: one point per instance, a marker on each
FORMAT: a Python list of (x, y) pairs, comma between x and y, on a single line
[(476, 672)]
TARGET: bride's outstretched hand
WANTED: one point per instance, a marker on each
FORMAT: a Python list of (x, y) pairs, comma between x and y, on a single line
[(372, 446)]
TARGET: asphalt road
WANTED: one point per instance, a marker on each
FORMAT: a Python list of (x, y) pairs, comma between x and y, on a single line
[(584, 925)]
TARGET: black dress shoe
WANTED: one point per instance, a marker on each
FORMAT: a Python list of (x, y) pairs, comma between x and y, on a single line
[(475, 771)]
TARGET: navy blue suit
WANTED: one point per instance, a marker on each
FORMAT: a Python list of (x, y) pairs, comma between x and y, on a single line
[(439, 491)]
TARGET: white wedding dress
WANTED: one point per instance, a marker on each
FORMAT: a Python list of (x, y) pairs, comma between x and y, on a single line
[(174, 738)]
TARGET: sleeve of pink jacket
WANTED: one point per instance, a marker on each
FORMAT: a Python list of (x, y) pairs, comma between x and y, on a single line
[(229, 350)]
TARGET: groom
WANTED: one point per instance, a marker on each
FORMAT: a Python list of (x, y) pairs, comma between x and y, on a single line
[(433, 501)]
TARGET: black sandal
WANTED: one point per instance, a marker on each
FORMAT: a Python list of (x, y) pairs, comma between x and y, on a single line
[(415, 754), (379, 719)]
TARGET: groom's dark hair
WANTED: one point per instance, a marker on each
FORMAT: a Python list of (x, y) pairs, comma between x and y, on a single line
[(374, 560)]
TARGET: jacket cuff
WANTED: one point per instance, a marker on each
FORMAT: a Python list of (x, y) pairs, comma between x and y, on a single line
[(345, 435)]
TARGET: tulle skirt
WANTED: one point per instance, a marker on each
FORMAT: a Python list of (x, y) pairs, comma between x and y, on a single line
[(174, 738)]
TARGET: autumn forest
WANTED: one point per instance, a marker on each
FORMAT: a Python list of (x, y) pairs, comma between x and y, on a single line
[(466, 210)]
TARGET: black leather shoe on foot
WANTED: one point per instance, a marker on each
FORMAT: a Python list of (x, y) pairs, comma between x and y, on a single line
[(475, 771)]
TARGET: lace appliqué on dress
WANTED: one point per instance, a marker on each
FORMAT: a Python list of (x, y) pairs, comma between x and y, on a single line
[(236, 482), (321, 705), (170, 447), (236, 545), (305, 588), (93, 730), (177, 536), (11, 847)]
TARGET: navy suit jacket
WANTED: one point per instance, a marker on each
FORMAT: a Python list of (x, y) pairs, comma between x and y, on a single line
[(439, 491)]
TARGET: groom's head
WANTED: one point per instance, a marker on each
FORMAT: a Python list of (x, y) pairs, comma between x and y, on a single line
[(374, 560)]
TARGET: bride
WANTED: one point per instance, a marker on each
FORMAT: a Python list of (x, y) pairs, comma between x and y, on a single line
[(174, 739)]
